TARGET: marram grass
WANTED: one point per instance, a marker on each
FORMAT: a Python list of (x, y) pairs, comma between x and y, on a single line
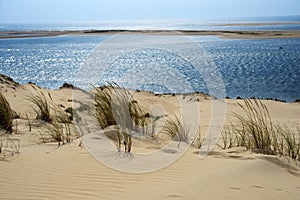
[(115, 106), (58, 123), (255, 131), (176, 129), (6, 114), (41, 105)]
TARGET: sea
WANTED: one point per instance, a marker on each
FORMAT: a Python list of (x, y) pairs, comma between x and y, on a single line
[(260, 68)]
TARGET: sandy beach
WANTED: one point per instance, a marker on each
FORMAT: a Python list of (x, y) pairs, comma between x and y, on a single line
[(44, 170), (225, 34)]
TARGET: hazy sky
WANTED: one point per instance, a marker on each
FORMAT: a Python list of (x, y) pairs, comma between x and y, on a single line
[(97, 10)]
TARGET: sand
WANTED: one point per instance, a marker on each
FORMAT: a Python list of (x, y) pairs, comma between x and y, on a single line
[(46, 171), (225, 34)]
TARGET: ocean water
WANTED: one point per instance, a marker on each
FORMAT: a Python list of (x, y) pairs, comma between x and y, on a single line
[(262, 68), (48, 61), (178, 24)]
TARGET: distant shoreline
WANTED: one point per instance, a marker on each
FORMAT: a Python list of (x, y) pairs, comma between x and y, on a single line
[(258, 24), (225, 34)]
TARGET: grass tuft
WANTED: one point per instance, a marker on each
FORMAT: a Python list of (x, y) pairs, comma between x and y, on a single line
[(103, 103), (256, 131), (60, 128), (56, 132), (115, 106), (257, 128), (176, 130), (198, 141), (59, 123), (41, 105), (6, 114)]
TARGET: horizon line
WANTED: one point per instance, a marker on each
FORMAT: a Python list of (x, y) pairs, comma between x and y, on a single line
[(147, 19)]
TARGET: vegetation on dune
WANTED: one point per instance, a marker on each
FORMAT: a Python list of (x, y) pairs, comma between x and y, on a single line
[(56, 132), (115, 106), (197, 142), (41, 105), (9, 148), (59, 122), (6, 114), (59, 130), (256, 131), (103, 103), (252, 129), (177, 130)]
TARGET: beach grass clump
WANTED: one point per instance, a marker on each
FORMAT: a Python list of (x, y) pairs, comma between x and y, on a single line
[(291, 142), (103, 101), (60, 127), (255, 131), (198, 141), (59, 123), (59, 130), (116, 136), (176, 129), (115, 106), (6, 114), (230, 138), (62, 118), (41, 105), (56, 132)]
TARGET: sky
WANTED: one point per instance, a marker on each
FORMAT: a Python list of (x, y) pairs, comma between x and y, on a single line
[(51, 11)]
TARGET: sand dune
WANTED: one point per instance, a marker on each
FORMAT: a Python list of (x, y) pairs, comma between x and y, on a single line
[(70, 172), (46, 171)]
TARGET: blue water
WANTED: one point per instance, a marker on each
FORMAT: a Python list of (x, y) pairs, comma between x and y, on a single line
[(261, 68), (48, 61), (188, 24), (264, 68)]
